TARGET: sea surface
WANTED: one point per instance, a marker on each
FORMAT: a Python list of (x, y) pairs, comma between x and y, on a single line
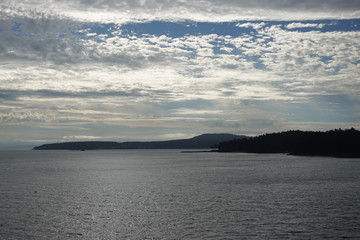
[(168, 194)]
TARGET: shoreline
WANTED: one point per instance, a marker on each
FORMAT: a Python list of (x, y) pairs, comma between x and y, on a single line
[(335, 155)]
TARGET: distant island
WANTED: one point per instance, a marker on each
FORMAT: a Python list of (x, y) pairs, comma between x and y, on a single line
[(205, 141), (336, 143)]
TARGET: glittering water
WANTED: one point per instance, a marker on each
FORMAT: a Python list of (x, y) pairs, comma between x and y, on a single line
[(166, 194)]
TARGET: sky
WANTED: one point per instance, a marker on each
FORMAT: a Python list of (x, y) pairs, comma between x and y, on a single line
[(80, 70)]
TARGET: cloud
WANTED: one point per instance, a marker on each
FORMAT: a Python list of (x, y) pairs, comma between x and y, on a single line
[(207, 10), (225, 8), (67, 70), (11, 94), (24, 116), (134, 66), (81, 137), (304, 25), (251, 25), (35, 35)]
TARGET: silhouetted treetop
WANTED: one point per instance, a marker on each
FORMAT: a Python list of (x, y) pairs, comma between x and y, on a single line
[(337, 142)]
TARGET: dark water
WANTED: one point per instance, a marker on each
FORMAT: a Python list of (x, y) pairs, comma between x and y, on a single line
[(166, 194)]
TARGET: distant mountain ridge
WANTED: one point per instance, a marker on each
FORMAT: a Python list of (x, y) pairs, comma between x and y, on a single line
[(203, 141)]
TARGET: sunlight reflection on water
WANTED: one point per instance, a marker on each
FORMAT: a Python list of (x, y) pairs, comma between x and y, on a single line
[(166, 194)]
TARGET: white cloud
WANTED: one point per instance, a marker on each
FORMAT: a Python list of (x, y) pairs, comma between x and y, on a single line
[(251, 25), (123, 63), (57, 72), (207, 10), (304, 25)]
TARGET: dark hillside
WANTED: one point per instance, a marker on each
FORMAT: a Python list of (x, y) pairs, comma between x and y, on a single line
[(198, 142), (341, 143)]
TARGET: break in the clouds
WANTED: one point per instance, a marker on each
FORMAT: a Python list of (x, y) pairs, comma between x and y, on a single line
[(122, 70)]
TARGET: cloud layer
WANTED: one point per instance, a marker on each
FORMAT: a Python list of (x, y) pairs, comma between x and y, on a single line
[(204, 10), (67, 73)]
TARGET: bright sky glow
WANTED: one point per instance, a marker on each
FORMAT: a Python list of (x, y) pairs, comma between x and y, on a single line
[(143, 70)]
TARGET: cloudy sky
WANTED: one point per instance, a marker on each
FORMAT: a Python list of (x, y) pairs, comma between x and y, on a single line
[(160, 69)]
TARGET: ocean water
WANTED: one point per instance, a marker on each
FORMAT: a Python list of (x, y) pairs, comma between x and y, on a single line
[(167, 194)]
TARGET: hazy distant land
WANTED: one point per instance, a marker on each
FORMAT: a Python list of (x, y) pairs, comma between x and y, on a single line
[(337, 143), (204, 141)]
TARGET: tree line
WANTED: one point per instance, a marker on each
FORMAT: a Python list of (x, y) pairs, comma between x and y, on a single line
[(337, 142)]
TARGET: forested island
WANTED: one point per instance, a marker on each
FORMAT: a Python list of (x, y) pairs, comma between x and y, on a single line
[(204, 141), (337, 143)]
